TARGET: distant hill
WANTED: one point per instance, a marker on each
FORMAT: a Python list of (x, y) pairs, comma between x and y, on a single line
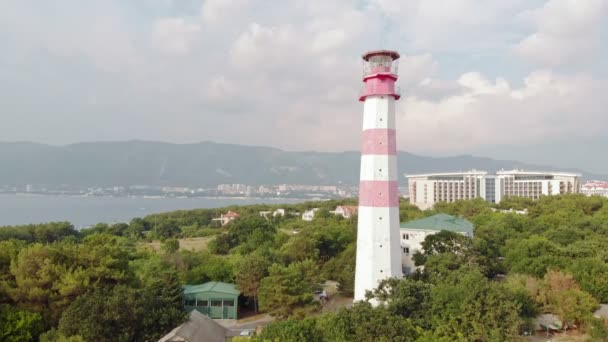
[(206, 164)]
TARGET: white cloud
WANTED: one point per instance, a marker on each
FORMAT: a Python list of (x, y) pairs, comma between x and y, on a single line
[(455, 25), (566, 31), (175, 35), (547, 107), (287, 75), (224, 12)]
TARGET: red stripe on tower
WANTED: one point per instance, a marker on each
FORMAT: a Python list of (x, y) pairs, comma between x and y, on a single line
[(375, 193), (379, 141)]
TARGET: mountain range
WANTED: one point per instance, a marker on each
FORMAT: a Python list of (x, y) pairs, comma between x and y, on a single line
[(207, 164)]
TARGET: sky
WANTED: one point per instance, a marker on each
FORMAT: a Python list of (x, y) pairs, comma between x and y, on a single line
[(518, 79)]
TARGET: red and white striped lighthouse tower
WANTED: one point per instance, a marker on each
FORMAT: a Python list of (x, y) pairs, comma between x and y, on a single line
[(378, 247)]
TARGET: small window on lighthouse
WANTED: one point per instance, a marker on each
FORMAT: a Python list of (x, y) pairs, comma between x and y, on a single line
[(380, 170)]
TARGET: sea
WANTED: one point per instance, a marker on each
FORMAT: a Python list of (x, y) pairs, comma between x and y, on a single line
[(85, 211)]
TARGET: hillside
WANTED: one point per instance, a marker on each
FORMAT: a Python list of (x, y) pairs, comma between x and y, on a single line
[(205, 164)]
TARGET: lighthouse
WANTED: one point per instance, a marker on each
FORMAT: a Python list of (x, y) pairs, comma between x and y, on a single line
[(378, 246)]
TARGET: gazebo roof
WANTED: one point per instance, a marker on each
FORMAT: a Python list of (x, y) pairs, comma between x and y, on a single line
[(198, 328), (212, 286)]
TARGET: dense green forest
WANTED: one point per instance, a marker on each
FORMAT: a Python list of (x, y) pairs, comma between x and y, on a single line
[(105, 283)]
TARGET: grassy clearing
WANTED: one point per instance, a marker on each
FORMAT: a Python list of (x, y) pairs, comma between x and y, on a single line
[(193, 244)]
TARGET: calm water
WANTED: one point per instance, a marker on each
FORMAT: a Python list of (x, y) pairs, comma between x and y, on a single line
[(86, 211)]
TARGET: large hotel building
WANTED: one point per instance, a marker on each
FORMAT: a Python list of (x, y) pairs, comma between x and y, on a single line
[(427, 189)]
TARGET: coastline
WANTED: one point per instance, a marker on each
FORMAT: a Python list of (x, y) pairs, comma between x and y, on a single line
[(85, 211), (240, 198)]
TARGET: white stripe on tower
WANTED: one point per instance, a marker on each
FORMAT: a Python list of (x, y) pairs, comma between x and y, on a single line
[(378, 247)]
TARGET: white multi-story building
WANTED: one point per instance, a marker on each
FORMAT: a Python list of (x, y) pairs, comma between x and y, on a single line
[(414, 232), (533, 184), (427, 189), (599, 188)]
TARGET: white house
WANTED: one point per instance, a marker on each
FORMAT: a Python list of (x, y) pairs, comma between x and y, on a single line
[(414, 232), (309, 215), (346, 211), (278, 212)]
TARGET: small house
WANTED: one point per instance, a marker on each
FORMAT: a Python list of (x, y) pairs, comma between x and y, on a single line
[(309, 215), (346, 211), (414, 232), (214, 299), (227, 217)]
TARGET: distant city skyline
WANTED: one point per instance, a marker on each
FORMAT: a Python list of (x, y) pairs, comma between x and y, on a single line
[(521, 80)]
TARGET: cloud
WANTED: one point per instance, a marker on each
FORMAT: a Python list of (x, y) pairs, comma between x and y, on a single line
[(565, 31), (455, 25), (175, 35), (548, 106), (288, 75)]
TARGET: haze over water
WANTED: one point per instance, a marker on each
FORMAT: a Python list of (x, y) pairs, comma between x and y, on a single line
[(86, 211)]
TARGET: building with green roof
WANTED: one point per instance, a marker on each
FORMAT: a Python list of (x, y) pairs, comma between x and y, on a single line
[(414, 232), (214, 299)]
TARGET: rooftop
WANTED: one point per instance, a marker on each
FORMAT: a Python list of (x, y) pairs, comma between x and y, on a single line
[(198, 328), (440, 222), (212, 286), (537, 173), (458, 173), (231, 214), (595, 184)]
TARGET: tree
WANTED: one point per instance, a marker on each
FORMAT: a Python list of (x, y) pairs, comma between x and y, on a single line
[(592, 275), (364, 323), (405, 297), (137, 227), (249, 273), (288, 288), (55, 336), (293, 330), (170, 246), (342, 270), (209, 267), (126, 314), (163, 304), (564, 298), (466, 304), (359, 323), (36, 276), (533, 255), (300, 247), (115, 314), (322, 213), (19, 325), (166, 229)]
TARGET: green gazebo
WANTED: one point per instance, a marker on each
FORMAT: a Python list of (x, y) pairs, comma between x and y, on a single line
[(214, 299)]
